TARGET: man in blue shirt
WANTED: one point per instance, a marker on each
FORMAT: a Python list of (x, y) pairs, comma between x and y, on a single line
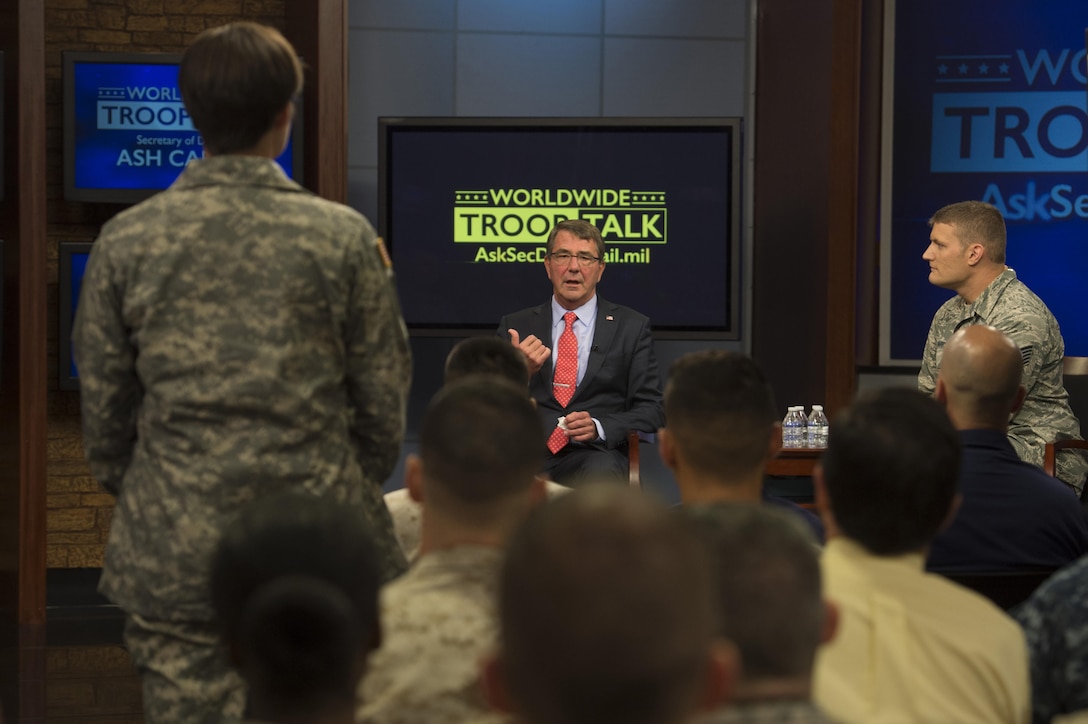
[(1013, 515)]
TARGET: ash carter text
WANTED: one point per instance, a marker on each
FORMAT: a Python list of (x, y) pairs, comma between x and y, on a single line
[(155, 151)]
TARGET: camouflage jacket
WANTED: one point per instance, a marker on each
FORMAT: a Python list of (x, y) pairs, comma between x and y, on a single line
[(1045, 416), (438, 619), (1055, 621), (235, 335)]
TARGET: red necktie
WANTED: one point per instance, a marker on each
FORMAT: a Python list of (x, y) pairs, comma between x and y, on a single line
[(566, 377)]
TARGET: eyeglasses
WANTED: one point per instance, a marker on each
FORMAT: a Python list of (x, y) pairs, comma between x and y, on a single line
[(564, 257)]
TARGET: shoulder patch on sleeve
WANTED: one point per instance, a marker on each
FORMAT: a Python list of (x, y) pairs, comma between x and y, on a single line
[(1025, 353), (383, 252)]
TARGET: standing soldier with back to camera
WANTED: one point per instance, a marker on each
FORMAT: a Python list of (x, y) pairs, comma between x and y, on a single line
[(236, 337)]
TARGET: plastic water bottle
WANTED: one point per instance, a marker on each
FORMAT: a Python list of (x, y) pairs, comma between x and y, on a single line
[(793, 427), (817, 427)]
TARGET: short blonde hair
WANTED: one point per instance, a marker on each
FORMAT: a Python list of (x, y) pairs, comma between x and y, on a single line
[(976, 222)]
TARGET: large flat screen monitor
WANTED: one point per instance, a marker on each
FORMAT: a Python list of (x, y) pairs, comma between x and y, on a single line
[(72, 263), (126, 132), (466, 205)]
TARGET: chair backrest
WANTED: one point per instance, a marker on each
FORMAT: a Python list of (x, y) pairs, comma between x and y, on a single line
[(1075, 377), (634, 437), (1075, 373), (1075, 365), (1049, 452), (634, 475), (1005, 589)]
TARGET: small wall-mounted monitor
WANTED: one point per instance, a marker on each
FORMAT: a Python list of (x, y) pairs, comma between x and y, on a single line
[(126, 132), (466, 205), (72, 262)]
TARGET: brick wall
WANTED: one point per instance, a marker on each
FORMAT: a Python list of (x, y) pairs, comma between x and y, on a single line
[(92, 683), (79, 511)]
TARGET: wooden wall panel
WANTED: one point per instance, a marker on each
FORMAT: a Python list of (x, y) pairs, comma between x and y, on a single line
[(806, 202), (792, 162), (318, 30), (23, 382)]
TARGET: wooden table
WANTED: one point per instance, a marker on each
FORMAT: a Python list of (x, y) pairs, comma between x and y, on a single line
[(795, 461)]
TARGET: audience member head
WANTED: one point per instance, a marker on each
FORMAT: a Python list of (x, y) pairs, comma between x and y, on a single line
[(721, 418), (238, 82), (486, 356), (294, 584), (606, 615), (979, 380), (480, 443), (975, 222), (889, 476), (766, 566), (579, 229)]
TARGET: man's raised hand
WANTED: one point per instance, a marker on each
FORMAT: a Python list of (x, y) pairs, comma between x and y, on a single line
[(534, 350)]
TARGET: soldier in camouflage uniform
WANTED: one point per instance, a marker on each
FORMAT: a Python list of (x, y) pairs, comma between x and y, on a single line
[(607, 615), (480, 443), (767, 570), (236, 336), (1055, 621), (967, 255)]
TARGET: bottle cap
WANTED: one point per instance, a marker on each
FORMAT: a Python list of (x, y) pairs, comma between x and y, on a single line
[(817, 407)]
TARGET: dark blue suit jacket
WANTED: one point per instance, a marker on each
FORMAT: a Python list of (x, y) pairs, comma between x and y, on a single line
[(1014, 516), (621, 386)]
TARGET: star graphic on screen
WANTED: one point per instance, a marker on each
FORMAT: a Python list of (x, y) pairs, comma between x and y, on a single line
[(942, 69), (962, 69), (983, 69), (1004, 68)]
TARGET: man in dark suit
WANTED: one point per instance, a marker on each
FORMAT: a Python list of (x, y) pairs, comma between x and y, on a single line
[(602, 379)]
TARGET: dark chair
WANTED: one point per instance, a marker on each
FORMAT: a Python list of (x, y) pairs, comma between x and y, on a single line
[(1051, 449), (1005, 589), (1075, 374), (634, 438)]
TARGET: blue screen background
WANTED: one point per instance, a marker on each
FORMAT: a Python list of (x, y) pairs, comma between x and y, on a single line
[(1020, 61), (99, 152)]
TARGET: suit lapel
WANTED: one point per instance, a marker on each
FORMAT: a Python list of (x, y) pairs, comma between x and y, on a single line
[(604, 332)]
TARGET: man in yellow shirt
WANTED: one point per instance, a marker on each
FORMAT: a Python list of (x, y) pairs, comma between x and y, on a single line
[(911, 646)]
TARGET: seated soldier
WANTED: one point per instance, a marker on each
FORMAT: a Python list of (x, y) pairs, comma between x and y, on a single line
[(771, 607), (472, 356), (966, 254), (294, 584), (607, 616), (476, 476), (1055, 621), (722, 429)]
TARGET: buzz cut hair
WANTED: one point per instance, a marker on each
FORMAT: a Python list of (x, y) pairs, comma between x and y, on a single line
[(976, 222)]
